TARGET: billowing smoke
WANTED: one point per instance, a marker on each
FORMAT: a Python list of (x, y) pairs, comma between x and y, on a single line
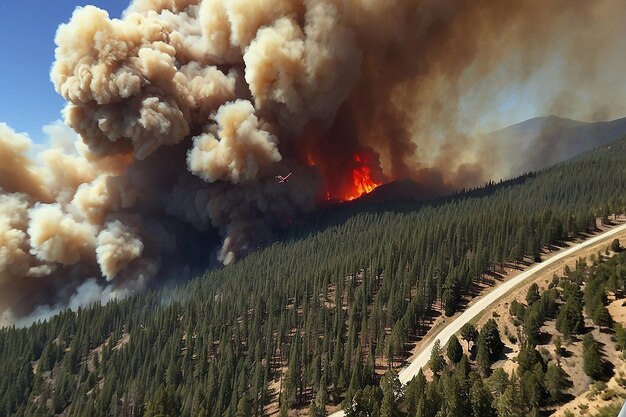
[(185, 111)]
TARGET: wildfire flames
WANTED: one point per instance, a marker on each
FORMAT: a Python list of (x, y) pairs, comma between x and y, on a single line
[(362, 178)]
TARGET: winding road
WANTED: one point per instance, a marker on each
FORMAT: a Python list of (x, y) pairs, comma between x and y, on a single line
[(477, 306)]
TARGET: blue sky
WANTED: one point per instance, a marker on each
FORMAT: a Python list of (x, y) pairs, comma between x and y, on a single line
[(28, 100)]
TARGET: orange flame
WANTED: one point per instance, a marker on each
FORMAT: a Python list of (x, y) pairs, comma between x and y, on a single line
[(362, 179), (361, 182)]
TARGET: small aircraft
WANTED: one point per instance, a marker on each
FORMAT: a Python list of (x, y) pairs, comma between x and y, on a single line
[(282, 179)]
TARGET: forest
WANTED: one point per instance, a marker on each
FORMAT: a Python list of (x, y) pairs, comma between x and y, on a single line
[(323, 316), (539, 384)]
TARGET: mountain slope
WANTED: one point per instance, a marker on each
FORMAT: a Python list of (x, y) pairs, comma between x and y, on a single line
[(312, 317), (529, 146), (544, 141)]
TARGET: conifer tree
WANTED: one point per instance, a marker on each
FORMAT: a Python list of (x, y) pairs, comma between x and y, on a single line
[(592, 361), (415, 392), (483, 362), (491, 338), (165, 404), (556, 382), (532, 295), (454, 350), (511, 402), (469, 334), (436, 362), (601, 316), (480, 398), (359, 272), (616, 246), (244, 408)]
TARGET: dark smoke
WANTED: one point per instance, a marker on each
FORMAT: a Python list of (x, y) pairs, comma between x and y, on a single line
[(188, 109)]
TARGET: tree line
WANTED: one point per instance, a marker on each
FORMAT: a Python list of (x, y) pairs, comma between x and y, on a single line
[(463, 383)]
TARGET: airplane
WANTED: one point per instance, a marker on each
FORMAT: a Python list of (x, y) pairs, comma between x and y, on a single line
[(282, 179)]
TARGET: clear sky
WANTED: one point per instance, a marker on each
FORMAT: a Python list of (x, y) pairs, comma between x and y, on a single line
[(28, 100)]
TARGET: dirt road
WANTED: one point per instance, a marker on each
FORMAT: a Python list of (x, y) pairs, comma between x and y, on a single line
[(477, 306)]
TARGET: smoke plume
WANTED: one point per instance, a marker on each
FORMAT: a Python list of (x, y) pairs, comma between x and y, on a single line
[(185, 111)]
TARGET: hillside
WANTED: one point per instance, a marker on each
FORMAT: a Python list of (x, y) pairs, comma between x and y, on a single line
[(314, 318), (545, 141), (551, 338), (550, 348), (529, 146)]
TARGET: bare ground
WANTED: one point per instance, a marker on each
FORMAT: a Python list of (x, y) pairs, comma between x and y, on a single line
[(500, 311), (584, 397)]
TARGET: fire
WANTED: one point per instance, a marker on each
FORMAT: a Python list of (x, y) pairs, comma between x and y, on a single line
[(351, 183), (362, 178)]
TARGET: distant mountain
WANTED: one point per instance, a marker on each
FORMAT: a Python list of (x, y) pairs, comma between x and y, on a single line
[(529, 146), (541, 142)]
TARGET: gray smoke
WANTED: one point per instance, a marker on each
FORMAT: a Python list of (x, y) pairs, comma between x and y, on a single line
[(186, 110)]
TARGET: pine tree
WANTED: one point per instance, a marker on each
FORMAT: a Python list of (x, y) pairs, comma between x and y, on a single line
[(558, 346), (556, 382), (491, 337), (511, 402), (592, 361), (533, 320), (615, 246), (321, 398), (480, 398), (316, 410), (620, 336), (389, 407), (391, 384), (244, 409), (366, 402), (532, 295), (451, 296), (483, 362), (516, 254), (436, 362), (532, 389), (469, 334), (165, 404), (601, 316), (498, 382), (415, 392), (420, 410), (463, 367), (454, 351)]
